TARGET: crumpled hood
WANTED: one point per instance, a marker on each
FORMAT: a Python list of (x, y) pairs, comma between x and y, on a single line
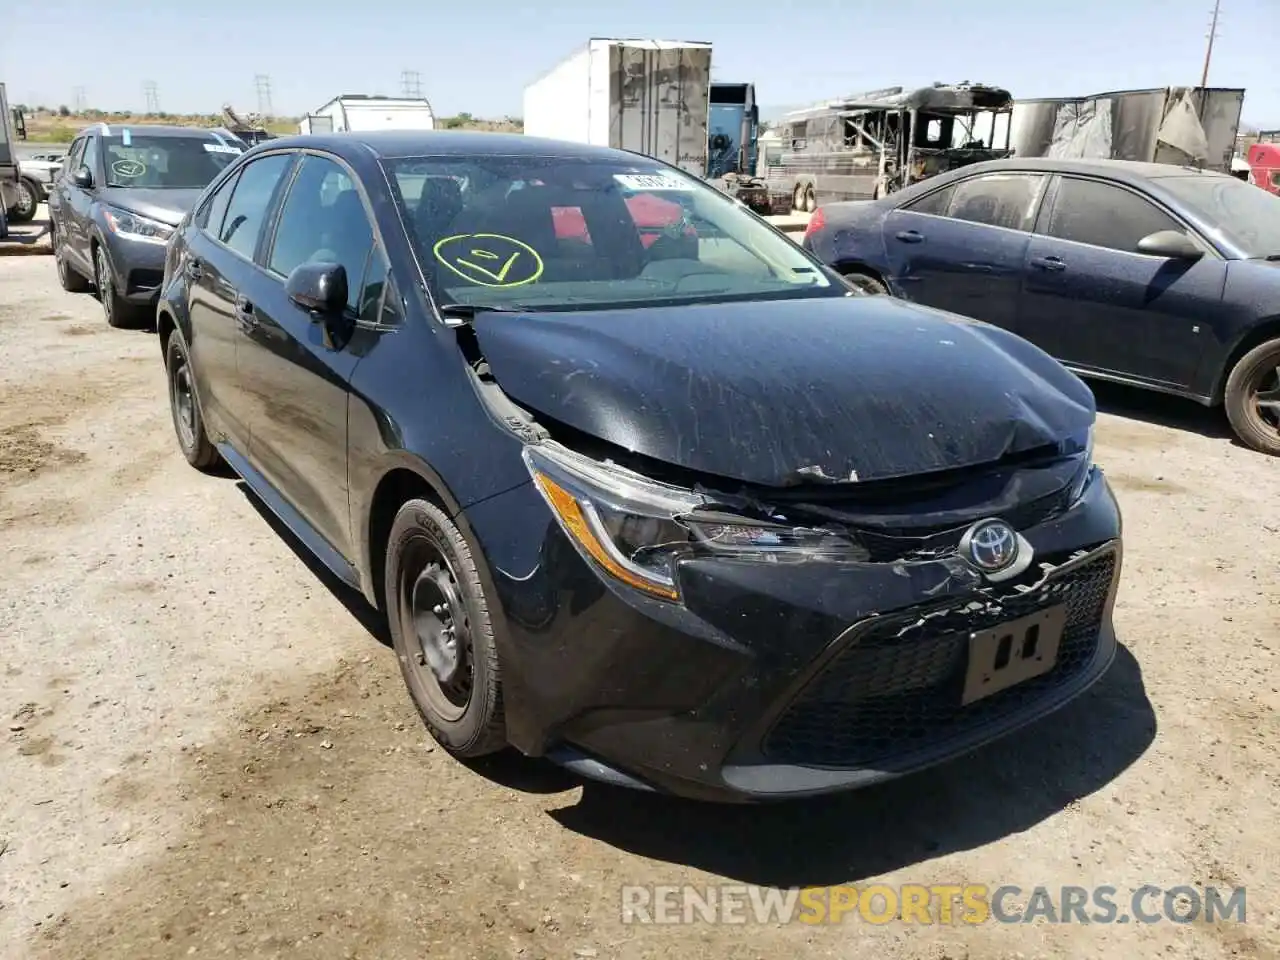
[(784, 392), (166, 205)]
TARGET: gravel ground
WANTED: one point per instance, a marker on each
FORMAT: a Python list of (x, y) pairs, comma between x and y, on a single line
[(206, 748)]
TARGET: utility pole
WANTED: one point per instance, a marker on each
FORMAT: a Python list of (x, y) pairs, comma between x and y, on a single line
[(80, 99), (1208, 53), (152, 93), (411, 83), (263, 84)]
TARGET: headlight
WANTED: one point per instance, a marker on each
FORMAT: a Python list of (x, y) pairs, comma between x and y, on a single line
[(130, 225), (635, 529)]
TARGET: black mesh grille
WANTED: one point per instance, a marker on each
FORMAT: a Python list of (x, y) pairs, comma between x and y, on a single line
[(896, 688)]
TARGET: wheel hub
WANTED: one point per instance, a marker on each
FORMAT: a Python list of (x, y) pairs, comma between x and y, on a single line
[(439, 621), (184, 402), (1266, 398)]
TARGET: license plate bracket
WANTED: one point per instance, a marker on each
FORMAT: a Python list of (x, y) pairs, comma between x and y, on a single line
[(1013, 652)]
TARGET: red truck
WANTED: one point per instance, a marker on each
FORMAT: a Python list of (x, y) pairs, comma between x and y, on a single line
[(1264, 162)]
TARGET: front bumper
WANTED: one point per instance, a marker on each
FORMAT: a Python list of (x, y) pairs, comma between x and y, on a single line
[(778, 681), (138, 266)]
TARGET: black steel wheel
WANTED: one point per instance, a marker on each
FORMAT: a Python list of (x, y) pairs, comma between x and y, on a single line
[(188, 424), (1252, 398), (440, 627)]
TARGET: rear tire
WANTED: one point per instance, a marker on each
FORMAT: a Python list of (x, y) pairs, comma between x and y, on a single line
[(867, 284), (797, 198), (810, 200), (69, 278), (1252, 398), (441, 631), (28, 199), (188, 423)]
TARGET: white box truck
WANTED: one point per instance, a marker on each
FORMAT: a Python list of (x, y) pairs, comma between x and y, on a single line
[(360, 112), (650, 96)]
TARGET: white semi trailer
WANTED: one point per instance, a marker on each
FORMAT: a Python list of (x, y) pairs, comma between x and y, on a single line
[(360, 112), (650, 96)]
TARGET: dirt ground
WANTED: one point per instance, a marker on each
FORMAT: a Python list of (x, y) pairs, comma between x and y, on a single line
[(206, 748)]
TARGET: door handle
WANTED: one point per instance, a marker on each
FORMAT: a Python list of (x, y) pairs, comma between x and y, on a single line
[(910, 236), (1049, 263)]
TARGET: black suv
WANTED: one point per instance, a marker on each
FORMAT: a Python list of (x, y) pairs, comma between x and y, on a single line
[(111, 211)]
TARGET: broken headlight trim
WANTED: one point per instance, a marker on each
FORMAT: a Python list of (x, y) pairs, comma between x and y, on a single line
[(635, 528), (1080, 446)]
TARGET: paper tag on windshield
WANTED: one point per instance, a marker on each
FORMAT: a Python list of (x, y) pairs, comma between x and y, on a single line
[(220, 148), (652, 181)]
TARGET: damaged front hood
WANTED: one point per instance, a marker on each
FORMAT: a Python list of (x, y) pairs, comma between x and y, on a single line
[(166, 204), (777, 393)]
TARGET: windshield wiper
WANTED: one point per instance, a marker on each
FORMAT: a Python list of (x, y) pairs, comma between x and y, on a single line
[(469, 311), (1272, 256)]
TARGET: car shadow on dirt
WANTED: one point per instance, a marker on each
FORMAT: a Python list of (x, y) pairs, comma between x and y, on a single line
[(1005, 788), (1162, 410)]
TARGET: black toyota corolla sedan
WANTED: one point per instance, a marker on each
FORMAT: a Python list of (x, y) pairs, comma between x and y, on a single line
[(640, 485)]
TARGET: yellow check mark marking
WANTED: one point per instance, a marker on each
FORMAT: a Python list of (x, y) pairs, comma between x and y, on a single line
[(497, 276)]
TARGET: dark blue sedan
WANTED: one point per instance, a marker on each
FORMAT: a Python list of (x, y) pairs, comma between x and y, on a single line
[(1153, 275)]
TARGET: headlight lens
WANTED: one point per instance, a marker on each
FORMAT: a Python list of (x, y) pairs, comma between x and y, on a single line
[(130, 225), (635, 529)]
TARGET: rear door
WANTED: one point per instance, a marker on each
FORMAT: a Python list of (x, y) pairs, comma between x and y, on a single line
[(219, 265), (963, 247), (1094, 302), (60, 193), (294, 369)]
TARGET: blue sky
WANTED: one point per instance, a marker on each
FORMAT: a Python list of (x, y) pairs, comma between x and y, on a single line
[(477, 56)]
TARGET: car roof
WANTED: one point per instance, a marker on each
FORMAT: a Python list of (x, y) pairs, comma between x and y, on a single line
[(1131, 171), (392, 144), (147, 129)]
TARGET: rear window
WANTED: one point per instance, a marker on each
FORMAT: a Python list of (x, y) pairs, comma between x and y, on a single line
[(132, 159), (570, 234)]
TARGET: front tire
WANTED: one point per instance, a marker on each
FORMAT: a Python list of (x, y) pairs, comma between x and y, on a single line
[(118, 311), (1252, 398), (441, 631), (188, 423)]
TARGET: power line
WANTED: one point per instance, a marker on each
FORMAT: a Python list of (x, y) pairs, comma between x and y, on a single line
[(152, 93), (80, 99), (1213, 34), (262, 83), (411, 83)]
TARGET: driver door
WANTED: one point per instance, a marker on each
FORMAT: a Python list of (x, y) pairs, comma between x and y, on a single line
[(1092, 301)]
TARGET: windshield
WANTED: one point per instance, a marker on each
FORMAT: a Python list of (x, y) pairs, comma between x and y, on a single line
[(1242, 214), (562, 233), (151, 161)]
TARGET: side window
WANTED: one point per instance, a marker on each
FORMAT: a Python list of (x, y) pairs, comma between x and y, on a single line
[(1104, 215), (250, 201), (935, 203), (72, 163), (998, 200), (323, 221), (214, 210), (90, 158)]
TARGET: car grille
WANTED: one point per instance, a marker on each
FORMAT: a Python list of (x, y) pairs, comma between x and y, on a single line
[(885, 546), (896, 687)]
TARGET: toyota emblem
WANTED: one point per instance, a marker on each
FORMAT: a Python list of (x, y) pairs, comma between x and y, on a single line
[(990, 545)]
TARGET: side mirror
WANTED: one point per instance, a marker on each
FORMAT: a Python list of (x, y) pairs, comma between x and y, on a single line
[(83, 177), (1173, 244), (318, 287)]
